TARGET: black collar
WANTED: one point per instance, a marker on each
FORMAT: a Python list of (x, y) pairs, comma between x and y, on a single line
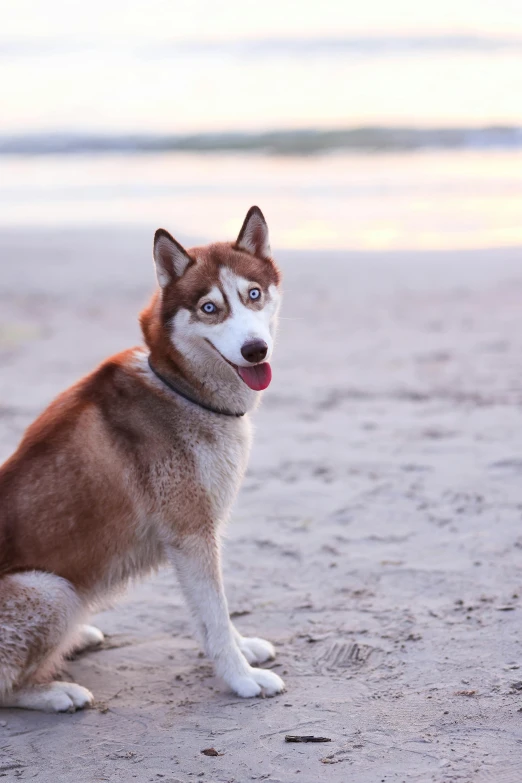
[(171, 386)]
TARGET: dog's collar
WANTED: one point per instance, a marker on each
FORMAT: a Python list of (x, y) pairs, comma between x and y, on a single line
[(174, 388)]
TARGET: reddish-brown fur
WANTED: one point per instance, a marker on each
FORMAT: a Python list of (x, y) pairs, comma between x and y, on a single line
[(66, 505)]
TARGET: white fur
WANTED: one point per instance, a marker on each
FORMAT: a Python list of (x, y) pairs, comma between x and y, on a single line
[(88, 636), (162, 276), (220, 379), (199, 574), (254, 649), (54, 697), (215, 295), (243, 324), (221, 466)]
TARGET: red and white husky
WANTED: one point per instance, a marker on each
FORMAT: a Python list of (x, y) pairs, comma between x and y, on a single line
[(138, 464)]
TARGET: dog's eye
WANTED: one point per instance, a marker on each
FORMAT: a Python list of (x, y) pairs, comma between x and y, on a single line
[(255, 293), (208, 307)]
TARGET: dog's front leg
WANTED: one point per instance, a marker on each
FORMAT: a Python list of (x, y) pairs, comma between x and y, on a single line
[(198, 566)]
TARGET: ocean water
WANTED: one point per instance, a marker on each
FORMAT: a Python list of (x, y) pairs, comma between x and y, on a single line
[(374, 140)]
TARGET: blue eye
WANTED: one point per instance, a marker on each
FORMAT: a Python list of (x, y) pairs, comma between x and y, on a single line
[(208, 307), (255, 293)]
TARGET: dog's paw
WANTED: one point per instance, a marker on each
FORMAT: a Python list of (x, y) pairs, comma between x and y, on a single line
[(79, 696), (257, 682), (55, 697), (256, 650), (88, 637)]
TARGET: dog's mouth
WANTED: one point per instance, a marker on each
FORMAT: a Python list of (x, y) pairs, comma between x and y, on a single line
[(257, 377)]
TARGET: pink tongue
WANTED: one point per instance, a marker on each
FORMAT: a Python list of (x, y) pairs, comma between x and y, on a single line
[(257, 377)]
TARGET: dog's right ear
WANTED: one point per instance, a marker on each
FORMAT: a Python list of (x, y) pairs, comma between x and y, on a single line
[(170, 258)]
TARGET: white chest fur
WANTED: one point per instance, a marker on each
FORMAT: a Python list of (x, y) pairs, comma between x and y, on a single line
[(221, 464)]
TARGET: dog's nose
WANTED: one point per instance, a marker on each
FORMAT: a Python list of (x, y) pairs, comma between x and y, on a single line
[(254, 351)]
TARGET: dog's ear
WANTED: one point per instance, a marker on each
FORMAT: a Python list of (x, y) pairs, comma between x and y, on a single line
[(253, 236), (170, 258)]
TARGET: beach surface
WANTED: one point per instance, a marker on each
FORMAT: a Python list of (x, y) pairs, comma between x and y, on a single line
[(377, 539)]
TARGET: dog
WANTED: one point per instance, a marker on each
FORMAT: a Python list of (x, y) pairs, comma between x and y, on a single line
[(138, 465)]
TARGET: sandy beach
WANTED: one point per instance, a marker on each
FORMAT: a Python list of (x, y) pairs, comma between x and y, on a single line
[(377, 539)]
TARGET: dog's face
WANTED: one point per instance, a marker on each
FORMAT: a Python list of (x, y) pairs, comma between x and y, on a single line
[(220, 303)]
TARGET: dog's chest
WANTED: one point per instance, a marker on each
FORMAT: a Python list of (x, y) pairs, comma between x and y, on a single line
[(220, 463)]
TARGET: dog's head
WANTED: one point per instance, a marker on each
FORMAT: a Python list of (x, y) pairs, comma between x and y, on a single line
[(215, 313)]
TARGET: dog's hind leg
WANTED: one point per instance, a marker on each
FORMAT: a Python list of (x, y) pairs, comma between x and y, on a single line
[(38, 614)]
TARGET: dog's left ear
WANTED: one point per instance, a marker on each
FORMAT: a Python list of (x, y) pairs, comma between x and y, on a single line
[(253, 236)]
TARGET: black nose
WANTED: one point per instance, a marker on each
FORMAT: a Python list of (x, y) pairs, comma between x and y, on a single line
[(254, 351)]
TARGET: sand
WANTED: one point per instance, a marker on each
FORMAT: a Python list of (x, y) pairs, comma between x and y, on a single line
[(377, 539)]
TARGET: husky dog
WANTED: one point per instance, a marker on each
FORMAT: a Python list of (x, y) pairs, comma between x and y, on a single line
[(138, 464)]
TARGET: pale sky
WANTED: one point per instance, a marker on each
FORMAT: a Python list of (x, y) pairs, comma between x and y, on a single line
[(225, 19), (95, 68)]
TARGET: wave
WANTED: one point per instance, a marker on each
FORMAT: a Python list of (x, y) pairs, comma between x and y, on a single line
[(371, 139)]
